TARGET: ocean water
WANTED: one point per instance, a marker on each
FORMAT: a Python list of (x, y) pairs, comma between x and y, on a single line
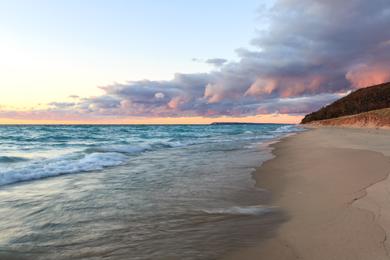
[(133, 192)]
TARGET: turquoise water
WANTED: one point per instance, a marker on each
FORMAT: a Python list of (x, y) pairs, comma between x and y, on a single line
[(133, 192)]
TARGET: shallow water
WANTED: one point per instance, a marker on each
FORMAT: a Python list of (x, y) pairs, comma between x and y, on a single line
[(133, 192)]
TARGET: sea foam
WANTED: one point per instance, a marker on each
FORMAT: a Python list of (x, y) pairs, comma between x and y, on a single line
[(61, 165), (243, 210)]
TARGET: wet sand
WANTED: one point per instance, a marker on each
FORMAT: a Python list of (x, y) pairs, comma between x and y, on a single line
[(333, 185)]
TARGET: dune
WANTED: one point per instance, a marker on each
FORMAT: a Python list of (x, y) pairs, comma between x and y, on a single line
[(373, 119)]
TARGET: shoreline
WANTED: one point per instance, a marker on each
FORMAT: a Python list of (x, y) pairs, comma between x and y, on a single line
[(194, 198), (333, 185)]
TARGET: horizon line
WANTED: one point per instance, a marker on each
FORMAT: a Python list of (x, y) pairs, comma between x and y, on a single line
[(130, 124)]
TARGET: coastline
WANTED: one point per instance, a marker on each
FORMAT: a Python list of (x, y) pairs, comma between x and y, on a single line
[(333, 185), (194, 198)]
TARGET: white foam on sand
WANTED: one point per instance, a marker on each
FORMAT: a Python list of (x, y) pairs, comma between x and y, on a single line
[(243, 210)]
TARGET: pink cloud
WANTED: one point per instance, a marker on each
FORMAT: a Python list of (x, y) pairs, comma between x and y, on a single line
[(363, 75)]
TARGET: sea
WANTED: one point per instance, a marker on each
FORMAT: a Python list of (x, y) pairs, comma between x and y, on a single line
[(134, 191)]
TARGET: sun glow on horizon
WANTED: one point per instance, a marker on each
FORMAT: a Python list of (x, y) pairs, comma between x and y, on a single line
[(266, 118)]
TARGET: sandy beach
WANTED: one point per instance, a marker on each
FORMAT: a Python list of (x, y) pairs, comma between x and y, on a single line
[(333, 185)]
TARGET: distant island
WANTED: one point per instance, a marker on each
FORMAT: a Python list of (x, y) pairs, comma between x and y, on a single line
[(238, 123), (366, 107)]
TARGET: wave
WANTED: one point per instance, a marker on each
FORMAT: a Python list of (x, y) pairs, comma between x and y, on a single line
[(173, 144), (93, 159), (288, 129), (12, 159), (105, 153), (246, 210), (127, 149), (136, 149), (62, 165)]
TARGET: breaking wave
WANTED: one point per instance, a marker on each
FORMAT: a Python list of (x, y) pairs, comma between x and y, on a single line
[(61, 165)]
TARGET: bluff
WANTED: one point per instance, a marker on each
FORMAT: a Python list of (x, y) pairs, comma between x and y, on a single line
[(358, 102)]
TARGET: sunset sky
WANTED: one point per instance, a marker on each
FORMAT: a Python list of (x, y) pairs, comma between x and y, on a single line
[(173, 61)]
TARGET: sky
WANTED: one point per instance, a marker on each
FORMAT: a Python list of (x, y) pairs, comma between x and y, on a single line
[(146, 61)]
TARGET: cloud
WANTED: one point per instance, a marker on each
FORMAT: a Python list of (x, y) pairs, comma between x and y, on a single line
[(308, 54), (362, 75), (62, 105), (217, 62)]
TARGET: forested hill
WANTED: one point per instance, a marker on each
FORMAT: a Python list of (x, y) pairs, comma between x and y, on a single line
[(359, 101)]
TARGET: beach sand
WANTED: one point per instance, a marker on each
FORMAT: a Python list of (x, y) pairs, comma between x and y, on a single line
[(332, 183)]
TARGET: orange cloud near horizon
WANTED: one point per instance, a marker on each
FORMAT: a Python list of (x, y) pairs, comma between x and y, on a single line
[(262, 118)]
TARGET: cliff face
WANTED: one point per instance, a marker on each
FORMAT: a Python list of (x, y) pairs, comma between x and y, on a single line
[(372, 119), (359, 101)]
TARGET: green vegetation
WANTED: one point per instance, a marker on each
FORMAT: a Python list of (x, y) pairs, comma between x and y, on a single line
[(359, 101)]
